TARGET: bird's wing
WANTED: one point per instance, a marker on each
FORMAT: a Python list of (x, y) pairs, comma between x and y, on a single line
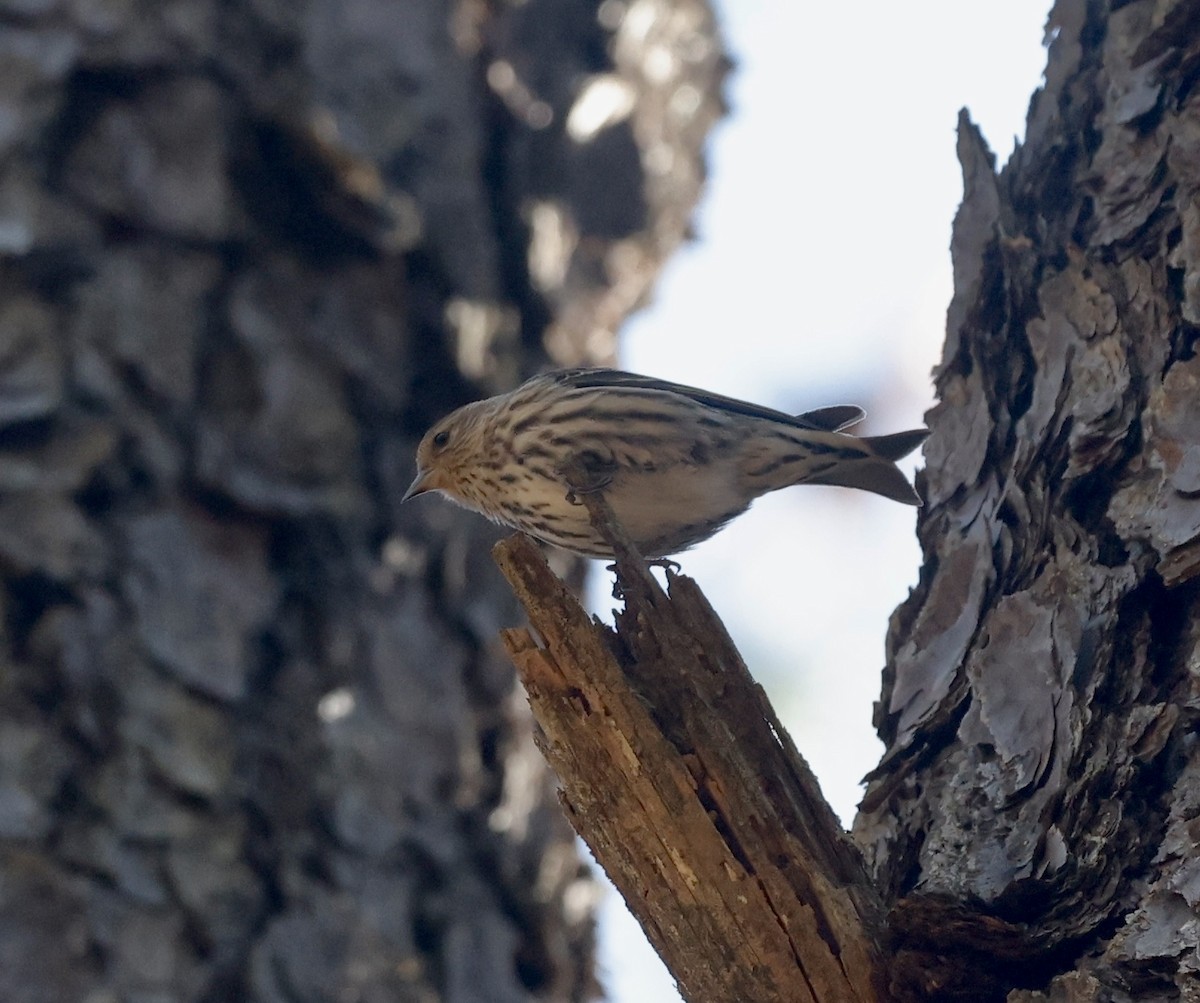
[(826, 419), (834, 418)]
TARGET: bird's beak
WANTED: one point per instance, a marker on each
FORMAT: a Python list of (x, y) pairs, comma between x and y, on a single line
[(424, 481)]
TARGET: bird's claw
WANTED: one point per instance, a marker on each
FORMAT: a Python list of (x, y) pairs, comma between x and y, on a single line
[(669, 566), (674, 567)]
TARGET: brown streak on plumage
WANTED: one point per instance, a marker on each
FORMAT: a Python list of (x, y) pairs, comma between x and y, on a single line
[(675, 463)]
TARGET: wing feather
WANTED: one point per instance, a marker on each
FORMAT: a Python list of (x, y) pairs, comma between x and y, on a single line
[(830, 419)]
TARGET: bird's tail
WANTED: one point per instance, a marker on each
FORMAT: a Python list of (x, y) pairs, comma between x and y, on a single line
[(867, 463), (877, 470)]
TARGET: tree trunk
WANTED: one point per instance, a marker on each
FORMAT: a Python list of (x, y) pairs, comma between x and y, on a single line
[(1035, 817), (1032, 829), (258, 741)]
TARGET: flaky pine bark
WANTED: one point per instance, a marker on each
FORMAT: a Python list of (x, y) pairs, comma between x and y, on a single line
[(1036, 815), (1032, 829), (257, 739)]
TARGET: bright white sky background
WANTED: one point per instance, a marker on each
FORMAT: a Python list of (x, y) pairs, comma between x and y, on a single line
[(822, 276)]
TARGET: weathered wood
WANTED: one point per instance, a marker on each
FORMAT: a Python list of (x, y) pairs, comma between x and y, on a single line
[(677, 773)]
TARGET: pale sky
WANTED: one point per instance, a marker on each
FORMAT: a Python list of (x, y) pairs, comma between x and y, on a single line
[(821, 276)]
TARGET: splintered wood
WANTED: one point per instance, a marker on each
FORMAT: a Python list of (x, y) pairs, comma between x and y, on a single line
[(676, 772)]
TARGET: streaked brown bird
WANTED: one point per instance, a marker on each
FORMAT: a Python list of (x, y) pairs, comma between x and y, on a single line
[(674, 463)]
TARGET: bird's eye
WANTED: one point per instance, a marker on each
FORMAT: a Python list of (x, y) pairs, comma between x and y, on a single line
[(440, 440)]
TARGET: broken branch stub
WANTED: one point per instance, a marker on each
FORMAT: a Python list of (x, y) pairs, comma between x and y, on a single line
[(677, 773)]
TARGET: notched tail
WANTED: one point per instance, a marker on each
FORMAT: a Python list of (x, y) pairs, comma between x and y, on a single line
[(877, 472), (897, 445)]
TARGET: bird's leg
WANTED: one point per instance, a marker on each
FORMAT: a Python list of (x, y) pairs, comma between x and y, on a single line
[(586, 475)]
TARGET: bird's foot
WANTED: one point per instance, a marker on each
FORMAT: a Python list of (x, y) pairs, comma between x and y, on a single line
[(671, 567)]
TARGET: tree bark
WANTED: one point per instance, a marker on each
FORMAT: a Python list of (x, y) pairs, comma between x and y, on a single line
[(257, 739), (1032, 828), (1034, 818)]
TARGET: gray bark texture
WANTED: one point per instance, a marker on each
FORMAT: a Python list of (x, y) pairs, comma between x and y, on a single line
[(1035, 818), (258, 738)]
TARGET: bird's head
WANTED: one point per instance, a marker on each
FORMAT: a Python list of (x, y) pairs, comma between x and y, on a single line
[(449, 454)]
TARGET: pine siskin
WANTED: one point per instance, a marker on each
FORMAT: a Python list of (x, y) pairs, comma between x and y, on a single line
[(674, 463)]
